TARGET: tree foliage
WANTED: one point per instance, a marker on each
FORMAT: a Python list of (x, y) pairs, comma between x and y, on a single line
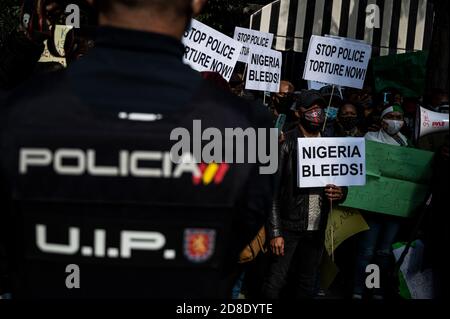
[(9, 17), (224, 15)]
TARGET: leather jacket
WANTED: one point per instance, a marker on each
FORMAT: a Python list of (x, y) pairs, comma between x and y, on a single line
[(291, 203)]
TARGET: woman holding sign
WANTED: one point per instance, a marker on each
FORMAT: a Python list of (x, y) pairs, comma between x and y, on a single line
[(375, 244), (296, 225)]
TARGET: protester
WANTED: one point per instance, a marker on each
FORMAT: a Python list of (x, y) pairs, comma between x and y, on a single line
[(119, 105), (333, 98), (281, 103), (237, 84), (348, 122), (392, 122), (299, 216), (410, 106), (437, 101), (375, 244), (20, 55)]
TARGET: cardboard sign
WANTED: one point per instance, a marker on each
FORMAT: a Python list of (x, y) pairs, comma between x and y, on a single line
[(343, 223), (264, 70), (337, 61), (398, 179), (209, 50), (338, 161), (250, 38)]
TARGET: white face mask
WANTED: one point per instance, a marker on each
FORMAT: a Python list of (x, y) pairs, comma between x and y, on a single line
[(393, 126)]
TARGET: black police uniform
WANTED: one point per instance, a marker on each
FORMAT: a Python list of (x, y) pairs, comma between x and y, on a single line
[(85, 186)]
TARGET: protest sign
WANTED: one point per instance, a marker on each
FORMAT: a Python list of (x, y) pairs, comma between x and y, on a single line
[(397, 180), (264, 70), (59, 40), (416, 282), (209, 50), (338, 161), (328, 272), (249, 38), (343, 223), (337, 61)]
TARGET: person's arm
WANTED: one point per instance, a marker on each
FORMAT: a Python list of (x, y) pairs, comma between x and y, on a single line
[(273, 226), (336, 194)]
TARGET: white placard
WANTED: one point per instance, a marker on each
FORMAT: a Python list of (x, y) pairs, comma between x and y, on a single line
[(329, 160), (209, 50), (264, 70), (337, 61), (249, 38)]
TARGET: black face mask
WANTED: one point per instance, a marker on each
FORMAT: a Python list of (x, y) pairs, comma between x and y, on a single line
[(312, 121), (284, 104), (348, 122)]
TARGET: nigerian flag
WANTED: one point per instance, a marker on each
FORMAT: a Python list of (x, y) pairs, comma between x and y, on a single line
[(404, 72)]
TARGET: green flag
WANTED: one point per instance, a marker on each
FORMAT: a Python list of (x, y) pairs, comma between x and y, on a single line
[(397, 180), (405, 72)]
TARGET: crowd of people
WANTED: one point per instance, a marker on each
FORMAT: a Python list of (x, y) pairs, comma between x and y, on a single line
[(296, 224), (141, 70)]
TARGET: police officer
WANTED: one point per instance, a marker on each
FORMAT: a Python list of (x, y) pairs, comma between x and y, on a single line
[(96, 206)]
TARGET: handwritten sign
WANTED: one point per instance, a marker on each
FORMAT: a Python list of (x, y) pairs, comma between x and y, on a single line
[(59, 38), (338, 161), (209, 50), (397, 180), (251, 38), (343, 223), (338, 61)]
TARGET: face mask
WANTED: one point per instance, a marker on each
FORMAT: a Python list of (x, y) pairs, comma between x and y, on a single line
[(312, 120), (331, 112), (348, 122), (393, 126), (284, 104)]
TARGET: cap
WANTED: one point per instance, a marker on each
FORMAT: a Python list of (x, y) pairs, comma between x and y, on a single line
[(328, 91), (308, 98), (393, 108)]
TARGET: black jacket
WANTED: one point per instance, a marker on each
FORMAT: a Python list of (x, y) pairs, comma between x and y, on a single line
[(290, 204), (80, 111)]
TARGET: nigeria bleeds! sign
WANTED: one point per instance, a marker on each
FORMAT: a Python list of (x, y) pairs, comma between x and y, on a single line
[(337, 161), (264, 70)]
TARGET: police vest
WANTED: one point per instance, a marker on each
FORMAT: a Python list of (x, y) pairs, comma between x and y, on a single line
[(96, 194)]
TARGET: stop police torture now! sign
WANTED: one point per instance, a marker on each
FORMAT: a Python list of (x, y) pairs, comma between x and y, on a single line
[(209, 50), (337, 61), (338, 161)]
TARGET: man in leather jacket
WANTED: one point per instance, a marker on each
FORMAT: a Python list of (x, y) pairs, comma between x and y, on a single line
[(297, 222)]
